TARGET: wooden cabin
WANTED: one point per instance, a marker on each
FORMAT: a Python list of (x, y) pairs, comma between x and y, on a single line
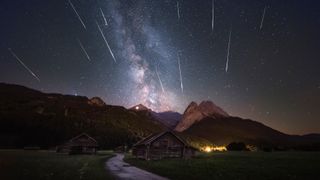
[(162, 145), (81, 144)]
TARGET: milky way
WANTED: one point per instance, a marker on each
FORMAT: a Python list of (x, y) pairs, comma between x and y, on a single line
[(141, 46)]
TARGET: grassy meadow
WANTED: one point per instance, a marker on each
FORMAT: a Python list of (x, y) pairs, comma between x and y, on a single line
[(48, 165), (237, 165)]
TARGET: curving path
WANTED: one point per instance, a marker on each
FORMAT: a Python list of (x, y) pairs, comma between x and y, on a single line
[(123, 170)]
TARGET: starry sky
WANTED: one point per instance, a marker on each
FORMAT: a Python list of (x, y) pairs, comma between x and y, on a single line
[(256, 59)]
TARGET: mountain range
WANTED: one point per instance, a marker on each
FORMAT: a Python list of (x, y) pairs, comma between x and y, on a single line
[(32, 118)]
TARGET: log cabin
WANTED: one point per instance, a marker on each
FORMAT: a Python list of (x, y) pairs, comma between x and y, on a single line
[(162, 145), (81, 144)]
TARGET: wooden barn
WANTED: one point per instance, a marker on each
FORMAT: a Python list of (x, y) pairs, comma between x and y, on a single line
[(81, 144), (162, 145)]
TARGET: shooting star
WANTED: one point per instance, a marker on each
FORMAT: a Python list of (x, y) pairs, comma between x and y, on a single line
[(212, 16), (228, 53), (181, 83), (74, 9), (25, 66), (104, 17), (84, 50), (105, 40), (178, 10), (159, 79), (262, 18)]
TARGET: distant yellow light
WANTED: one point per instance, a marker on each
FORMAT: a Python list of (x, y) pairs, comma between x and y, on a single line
[(137, 107), (214, 148), (207, 149), (219, 148)]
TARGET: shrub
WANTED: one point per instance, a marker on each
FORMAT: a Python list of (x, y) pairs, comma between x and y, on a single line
[(237, 146)]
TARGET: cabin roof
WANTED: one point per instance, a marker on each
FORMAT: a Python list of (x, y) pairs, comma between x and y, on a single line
[(153, 137), (82, 134), (74, 142)]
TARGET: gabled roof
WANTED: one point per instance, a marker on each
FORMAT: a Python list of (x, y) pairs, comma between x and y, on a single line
[(151, 138), (73, 141), (83, 134)]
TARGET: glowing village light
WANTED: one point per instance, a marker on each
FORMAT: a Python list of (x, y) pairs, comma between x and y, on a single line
[(219, 148), (213, 148), (137, 107), (207, 149)]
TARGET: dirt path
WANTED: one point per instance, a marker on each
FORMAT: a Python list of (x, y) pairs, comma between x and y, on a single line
[(123, 170)]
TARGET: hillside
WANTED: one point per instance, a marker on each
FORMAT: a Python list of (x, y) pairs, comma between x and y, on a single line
[(168, 118), (32, 118), (233, 129)]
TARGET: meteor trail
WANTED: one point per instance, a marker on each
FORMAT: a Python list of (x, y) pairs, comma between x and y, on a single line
[(178, 10), (105, 40), (74, 9), (104, 17), (84, 50), (159, 79), (262, 18), (212, 16), (25, 66), (181, 83), (228, 54)]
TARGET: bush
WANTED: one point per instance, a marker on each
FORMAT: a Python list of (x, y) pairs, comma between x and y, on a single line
[(237, 146)]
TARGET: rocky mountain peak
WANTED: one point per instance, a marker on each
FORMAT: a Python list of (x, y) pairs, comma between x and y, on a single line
[(192, 106), (195, 113), (208, 108), (96, 101)]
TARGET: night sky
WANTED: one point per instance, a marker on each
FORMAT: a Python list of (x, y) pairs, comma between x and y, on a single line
[(268, 71)]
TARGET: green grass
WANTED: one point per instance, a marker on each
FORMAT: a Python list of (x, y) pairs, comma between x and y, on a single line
[(48, 165), (237, 165)]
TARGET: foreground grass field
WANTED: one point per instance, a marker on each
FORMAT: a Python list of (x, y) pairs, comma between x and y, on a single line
[(237, 165), (46, 165)]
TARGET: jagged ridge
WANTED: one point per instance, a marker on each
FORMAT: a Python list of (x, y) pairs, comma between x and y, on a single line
[(195, 113)]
